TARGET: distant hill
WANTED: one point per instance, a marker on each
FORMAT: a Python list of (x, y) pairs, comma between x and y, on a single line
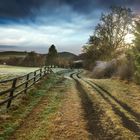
[(67, 55), (23, 58), (7, 54), (12, 53)]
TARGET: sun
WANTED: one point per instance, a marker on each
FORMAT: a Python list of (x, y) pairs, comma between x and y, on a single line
[(129, 38)]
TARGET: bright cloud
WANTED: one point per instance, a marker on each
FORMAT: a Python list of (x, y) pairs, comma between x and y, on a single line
[(40, 23), (65, 35)]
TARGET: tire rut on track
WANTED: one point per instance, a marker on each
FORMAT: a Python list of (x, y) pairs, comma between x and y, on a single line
[(129, 123), (91, 114), (123, 105)]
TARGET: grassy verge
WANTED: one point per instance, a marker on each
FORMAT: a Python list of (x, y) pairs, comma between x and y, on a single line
[(46, 117), (127, 93), (10, 121), (107, 122)]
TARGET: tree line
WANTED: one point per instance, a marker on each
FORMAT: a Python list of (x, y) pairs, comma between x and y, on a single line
[(110, 41), (33, 59)]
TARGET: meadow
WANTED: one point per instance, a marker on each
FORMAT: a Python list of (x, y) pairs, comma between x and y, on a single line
[(7, 72)]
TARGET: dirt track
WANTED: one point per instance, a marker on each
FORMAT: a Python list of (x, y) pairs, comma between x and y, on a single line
[(85, 112), (67, 122)]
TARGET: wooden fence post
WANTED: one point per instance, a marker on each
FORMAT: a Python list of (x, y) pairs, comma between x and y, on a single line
[(48, 71), (26, 85), (45, 69), (12, 92), (40, 73), (34, 76)]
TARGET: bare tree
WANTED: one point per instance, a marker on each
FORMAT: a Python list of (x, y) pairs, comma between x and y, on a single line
[(113, 29), (108, 40)]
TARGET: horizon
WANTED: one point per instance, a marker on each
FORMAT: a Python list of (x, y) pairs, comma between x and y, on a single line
[(66, 24), (41, 50), (36, 50)]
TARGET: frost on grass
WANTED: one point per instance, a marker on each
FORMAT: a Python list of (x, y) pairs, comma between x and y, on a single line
[(7, 72)]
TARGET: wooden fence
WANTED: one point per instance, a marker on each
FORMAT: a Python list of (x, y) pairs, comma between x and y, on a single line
[(12, 88)]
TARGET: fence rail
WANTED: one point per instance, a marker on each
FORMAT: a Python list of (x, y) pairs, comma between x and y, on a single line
[(20, 85)]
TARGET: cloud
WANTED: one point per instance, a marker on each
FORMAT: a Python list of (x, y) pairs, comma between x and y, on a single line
[(65, 36), (40, 23), (19, 9)]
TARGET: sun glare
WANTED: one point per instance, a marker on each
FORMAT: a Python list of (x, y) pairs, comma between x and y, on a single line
[(129, 38)]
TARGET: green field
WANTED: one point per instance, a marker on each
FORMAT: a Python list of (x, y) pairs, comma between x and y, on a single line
[(7, 72)]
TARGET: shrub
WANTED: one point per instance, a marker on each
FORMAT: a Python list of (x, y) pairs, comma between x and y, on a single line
[(104, 69), (122, 67)]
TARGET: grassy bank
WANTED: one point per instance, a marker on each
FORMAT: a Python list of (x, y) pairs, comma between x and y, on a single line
[(110, 119), (127, 93), (11, 120)]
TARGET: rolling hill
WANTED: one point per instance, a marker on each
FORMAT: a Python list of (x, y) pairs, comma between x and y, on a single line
[(67, 55), (8, 54)]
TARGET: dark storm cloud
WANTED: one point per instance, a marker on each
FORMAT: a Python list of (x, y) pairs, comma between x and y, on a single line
[(17, 9), (66, 23), (87, 6)]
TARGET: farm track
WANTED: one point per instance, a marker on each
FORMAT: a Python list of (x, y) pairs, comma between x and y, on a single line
[(130, 119), (90, 114), (58, 115)]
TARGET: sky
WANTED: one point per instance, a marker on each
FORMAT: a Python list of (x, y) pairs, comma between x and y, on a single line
[(36, 24)]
